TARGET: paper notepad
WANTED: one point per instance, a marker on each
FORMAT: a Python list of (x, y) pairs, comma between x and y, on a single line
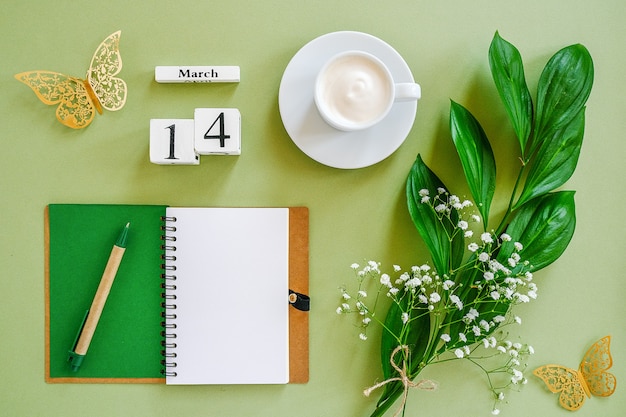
[(228, 311), (201, 296)]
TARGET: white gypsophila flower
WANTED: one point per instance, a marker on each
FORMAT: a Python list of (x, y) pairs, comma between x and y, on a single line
[(508, 293), (505, 237), (518, 246), (345, 295), (518, 320), (434, 298), (476, 330), (413, 283), (362, 293), (468, 233), (471, 314), (393, 291), (499, 319), (448, 284), (385, 280), (441, 190), (459, 353), (404, 317), (354, 266), (495, 295), (488, 276), (472, 247), (495, 411), (463, 225), (425, 268), (454, 299), (486, 237), (445, 337), (367, 320), (397, 268), (339, 310), (483, 257), (485, 325), (440, 208), (362, 336), (423, 192), (462, 337)]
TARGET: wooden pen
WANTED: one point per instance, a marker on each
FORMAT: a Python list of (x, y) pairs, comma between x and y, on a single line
[(88, 327)]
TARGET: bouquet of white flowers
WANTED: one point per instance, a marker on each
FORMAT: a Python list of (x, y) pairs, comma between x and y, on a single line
[(461, 304)]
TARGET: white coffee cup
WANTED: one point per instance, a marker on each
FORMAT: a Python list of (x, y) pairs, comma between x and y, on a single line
[(355, 90)]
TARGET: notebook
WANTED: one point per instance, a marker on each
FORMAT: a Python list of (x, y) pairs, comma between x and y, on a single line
[(201, 295)]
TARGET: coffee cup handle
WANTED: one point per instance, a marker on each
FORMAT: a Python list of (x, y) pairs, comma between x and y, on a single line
[(407, 92)]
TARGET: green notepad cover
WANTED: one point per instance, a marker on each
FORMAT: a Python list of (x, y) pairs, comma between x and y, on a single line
[(126, 344)]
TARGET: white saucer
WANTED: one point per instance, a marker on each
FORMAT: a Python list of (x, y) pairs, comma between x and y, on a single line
[(317, 139)]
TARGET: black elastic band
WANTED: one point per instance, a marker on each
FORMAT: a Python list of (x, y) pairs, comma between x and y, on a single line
[(300, 301)]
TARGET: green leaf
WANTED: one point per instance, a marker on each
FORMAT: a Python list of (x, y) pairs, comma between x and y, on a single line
[(476, 156), (507, 70), (556, 160), (564, 86), (446, 254), (544, 226)]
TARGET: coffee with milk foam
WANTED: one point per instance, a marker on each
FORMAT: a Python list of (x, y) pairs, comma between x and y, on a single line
[(356, 89)]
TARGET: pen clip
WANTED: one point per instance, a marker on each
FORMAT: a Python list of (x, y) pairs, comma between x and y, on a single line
[(73, 358)]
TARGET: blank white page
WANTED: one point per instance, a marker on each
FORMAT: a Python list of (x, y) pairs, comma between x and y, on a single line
[(232, 269)]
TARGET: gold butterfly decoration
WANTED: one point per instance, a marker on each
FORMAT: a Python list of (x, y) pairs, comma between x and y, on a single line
[(590, 378), (79, 99)]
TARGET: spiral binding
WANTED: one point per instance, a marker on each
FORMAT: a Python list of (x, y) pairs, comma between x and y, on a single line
[(168, 295)]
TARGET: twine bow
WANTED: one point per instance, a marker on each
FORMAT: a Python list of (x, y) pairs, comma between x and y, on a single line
[(424, 384)]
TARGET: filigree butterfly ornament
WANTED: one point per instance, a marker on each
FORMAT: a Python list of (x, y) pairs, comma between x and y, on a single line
[(591, 377), (79, 99)]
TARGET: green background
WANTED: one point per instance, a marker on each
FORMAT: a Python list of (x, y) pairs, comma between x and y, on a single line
[(355, 214)]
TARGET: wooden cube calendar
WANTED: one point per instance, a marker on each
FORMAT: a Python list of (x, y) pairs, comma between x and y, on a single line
[(217, 131), (172, 142)]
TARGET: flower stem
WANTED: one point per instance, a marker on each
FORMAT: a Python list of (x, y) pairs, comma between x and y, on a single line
[(504, 222)]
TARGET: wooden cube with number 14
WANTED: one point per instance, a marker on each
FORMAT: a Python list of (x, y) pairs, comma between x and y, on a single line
[(217, 131)]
